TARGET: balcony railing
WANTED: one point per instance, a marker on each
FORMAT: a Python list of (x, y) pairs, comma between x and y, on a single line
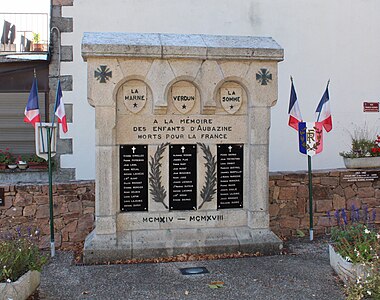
[(24, 32)]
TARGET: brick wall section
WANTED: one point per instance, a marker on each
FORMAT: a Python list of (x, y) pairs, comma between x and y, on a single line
[(28, 206), (289, 200)]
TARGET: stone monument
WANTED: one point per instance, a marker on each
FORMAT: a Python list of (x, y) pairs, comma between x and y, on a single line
[(182, 139)]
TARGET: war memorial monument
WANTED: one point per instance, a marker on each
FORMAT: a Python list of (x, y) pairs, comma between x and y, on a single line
[(182, 141)]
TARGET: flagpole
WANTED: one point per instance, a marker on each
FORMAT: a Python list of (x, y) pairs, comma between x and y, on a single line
[(310, 198), (50, 131), (52, 243)]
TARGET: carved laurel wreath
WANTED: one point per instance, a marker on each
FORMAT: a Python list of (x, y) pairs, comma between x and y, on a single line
[(156, 188), (209, 188), (317, 142)]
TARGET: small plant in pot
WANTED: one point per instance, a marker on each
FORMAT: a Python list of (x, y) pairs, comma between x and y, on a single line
[(37, 46), (355, 252), (21, 164), (7, 159), (34, 161), (365, 150), (21, 261)]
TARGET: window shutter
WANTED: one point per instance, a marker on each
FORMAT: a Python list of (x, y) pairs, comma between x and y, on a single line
[(14, 133)]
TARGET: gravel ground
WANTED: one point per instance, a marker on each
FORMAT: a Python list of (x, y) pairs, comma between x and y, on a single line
[(303, 273)]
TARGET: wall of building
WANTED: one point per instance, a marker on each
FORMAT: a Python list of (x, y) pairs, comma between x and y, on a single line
[(323, 40), (74, 205)]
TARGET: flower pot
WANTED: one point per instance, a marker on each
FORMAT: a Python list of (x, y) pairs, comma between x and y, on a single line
[(362, 162), (346, 271), (12, 166), (22, 288), (38, 165), (22, 166)]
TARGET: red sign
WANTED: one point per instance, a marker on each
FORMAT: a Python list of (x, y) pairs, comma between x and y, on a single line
[(370, 106)]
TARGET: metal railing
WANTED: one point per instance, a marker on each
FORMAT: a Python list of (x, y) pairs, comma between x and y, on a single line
[(24, 32)]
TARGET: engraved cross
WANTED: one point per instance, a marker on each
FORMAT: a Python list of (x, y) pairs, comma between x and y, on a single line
[(183, 149), (133, 149)]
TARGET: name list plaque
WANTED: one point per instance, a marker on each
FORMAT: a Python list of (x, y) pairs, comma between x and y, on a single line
[(183, 177), (133, 178), (230, 175)]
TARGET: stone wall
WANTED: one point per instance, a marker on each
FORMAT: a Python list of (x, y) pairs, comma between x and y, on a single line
[(28, 206), (332, 190)]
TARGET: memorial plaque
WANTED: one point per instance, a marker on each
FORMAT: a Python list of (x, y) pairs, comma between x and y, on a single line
[(183, 177), (370, 106), (230, 176), (2, 200), (362, 176), (133, 177)]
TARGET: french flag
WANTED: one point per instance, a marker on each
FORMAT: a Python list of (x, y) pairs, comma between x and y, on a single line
[(323, 110), (294, 110), (60, 108), (310, 138), (32, 111)]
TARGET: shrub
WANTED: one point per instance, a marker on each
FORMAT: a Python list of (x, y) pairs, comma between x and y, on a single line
[(359, 243), (19, 253), (7, 157)]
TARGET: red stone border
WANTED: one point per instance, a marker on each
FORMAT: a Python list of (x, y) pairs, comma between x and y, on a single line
[(289, 198), (28, 206)]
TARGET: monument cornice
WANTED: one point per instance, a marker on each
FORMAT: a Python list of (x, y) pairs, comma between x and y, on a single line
[(182, 46)]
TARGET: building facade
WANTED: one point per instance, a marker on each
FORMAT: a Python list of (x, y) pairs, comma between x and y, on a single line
[(333, 40)]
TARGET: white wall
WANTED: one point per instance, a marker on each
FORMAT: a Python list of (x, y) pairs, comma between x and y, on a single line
[(323, 39)]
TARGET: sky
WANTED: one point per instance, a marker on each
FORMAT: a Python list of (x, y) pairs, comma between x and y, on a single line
[(25, 6)]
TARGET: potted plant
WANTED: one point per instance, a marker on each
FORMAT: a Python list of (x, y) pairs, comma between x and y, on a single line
[(34, 161), (21, 164), (21, 262), (4, 158), (365, 150), (7, 159), (354, 254), (36, 42)]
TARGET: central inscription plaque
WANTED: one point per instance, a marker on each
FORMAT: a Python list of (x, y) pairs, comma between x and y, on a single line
[(230, 176), (133, 177), (183, 177)]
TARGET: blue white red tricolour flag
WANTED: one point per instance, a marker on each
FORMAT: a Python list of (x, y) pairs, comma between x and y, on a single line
[(323, 110), (310, 137), (60, 108), (294, 110), (32, 111)]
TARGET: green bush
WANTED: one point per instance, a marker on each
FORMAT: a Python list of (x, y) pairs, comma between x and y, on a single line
[(359, 244), (356, 243), (19, 253)]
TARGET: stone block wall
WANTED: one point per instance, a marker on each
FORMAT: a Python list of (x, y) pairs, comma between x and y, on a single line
[(28, 206), (289, 199), (74, 205)]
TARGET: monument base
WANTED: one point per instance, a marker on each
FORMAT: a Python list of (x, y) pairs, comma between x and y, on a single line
[(171, 242)]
